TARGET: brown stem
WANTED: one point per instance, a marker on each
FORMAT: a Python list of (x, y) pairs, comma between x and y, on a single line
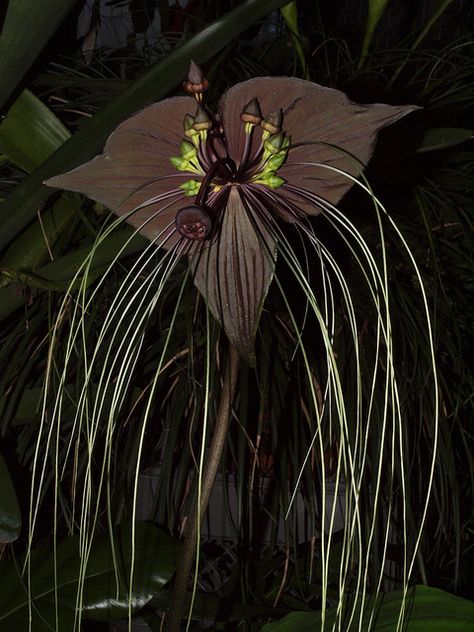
[(199, 509)]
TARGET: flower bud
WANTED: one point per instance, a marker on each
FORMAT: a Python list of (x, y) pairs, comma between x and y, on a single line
[(188, 150), (181, 164), (275, 161), (195, 83), (190, 187), (251, 113), (188, 124), (189, 132), (270, 180), (202, 121), (274, 143), (272, 123)]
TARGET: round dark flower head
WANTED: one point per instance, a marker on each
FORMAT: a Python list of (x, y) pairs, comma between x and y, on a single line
[(212, 184)]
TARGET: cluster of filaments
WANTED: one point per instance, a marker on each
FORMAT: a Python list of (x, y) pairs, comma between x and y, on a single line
[(204, 153)]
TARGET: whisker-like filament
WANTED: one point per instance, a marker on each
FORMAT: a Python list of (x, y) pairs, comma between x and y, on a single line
[(230, 214)]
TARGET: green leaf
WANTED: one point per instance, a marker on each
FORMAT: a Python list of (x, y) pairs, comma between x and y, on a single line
[(31, 280), (444, 137), (290, 15), (28, 406), (428, 610), (106, 593), (152, 85), (60, 273), (30, 132), (375, 10), (27, 28), (32, 248), (10, 518)]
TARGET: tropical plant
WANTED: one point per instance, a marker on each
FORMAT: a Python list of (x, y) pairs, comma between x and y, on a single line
[(334, 378)]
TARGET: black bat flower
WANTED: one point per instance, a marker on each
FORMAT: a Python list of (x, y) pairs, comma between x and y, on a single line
[(213, 185)]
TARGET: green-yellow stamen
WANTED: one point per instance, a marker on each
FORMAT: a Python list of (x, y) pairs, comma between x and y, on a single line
[(274, 155), (190, 187), (248, 127), (275, 161), (269, 179), (181, 164), (271, 153), (188, 150)]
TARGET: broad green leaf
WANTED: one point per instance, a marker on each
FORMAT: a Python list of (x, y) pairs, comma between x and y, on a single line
[(427, 610), (27, 28), (375, 10), (27, 407), (60, 273), (444, 137), (30, 132), (20, 208), (36, 243), (119, 244), (10, 518), (102, 599), (29, 279), (290, 15)]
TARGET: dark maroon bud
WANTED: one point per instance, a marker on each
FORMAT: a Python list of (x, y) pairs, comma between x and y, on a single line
[(193, 222), (202, 120), (272, 123), (195, 83), (251, 113)]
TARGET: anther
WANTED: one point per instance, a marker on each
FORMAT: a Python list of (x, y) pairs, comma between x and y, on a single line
[(251, 113), (202, 121), (188, 150), (195, 83), (274, 143), (272, 123)]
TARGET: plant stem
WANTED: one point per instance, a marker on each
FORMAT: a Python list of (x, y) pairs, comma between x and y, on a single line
[(199, 509)]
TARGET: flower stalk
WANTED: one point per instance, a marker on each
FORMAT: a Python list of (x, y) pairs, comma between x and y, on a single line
[(193, 527)]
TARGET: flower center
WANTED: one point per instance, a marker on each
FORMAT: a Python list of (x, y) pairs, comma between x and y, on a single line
[(204, 152), (265, 150)]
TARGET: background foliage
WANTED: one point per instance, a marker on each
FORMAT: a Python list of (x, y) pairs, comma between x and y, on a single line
[(60, 102)]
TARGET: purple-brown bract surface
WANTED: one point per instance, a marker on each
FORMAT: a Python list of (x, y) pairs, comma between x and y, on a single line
[(275, 151)]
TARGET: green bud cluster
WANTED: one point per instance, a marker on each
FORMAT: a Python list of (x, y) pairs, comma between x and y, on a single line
[(274, 155), (187, 160), (269, 179), (188, 150), (190, 187), (274, 143), (181, 164), (189, 130)]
